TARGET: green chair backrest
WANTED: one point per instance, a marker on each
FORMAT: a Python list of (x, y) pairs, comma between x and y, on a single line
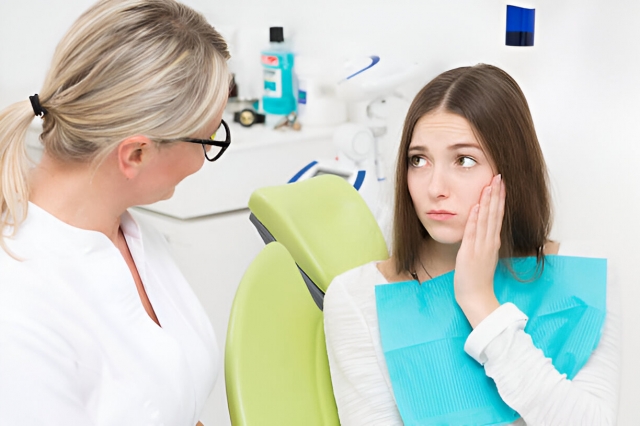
[(323, 222), (276, 367)]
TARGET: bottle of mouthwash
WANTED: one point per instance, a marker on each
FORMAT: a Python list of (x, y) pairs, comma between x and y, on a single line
[(277, 63)]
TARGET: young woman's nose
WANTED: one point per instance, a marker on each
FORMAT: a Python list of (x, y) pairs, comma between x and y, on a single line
[(438, 183)]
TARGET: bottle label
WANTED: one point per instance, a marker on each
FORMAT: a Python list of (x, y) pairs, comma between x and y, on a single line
[(302, 97), (271, 60), (273, 82)]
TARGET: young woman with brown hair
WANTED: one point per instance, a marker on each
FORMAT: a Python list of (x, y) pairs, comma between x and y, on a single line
[(471, 199), (97, 324)]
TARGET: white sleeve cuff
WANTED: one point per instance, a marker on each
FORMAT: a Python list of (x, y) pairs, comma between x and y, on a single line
[(491, 327)]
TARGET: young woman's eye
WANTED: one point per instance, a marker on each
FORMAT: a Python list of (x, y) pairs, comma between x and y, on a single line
[(466, 161), (417, 161)]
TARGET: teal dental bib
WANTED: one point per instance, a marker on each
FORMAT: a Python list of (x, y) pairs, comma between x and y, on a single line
[(423, 331)]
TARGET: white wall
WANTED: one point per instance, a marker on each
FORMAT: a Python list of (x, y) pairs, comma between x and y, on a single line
[(581, 79)]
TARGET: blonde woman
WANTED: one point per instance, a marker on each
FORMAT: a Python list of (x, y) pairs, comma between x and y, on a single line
[(97, 324)]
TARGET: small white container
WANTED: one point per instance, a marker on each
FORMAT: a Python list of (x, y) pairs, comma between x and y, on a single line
[(318, 104)]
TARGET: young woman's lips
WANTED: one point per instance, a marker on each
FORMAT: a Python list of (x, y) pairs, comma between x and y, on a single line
[(440, 215)]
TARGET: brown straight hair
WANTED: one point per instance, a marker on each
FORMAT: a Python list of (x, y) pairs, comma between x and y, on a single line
[(495, 107)]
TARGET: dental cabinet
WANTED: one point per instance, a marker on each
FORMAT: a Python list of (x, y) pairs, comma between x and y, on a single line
[(257, 157)]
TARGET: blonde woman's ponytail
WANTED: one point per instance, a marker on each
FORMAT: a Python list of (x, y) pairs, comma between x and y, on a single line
[(14, 168)]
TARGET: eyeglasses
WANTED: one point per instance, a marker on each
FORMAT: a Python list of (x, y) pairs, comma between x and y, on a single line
[(218, 143)]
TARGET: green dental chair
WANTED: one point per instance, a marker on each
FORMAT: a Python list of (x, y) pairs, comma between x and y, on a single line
[(276, 367)]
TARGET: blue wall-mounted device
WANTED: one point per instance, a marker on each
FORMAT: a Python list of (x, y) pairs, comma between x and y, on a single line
[(520, 26)]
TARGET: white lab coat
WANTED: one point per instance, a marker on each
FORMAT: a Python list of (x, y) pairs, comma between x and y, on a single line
[(77, 346)]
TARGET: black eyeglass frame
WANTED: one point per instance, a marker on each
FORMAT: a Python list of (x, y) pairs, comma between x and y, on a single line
[(224, 145)]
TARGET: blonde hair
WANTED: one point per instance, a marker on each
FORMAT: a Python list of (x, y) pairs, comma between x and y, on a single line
[(125, 67)]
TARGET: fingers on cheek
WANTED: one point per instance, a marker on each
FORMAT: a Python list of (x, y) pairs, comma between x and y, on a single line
[(483, 194), (475, 213), (470, 228)]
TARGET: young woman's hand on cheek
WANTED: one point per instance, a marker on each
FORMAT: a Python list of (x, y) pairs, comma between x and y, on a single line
[(478, 255)]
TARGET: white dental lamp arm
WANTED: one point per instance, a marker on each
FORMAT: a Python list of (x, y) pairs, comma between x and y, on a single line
[(370, 78), (370, 83)]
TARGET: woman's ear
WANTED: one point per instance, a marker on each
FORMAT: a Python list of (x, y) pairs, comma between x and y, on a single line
[(133, 153)]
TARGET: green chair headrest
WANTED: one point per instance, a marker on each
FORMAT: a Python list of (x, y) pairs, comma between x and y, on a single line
[(324, 224)]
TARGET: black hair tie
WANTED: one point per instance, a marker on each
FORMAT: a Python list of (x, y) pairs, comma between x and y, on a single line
[(38, 110)]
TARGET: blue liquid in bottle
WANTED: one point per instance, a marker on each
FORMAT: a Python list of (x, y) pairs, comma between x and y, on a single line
[(277, 63)]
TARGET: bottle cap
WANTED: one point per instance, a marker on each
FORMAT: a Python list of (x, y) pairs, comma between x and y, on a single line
[(276, 35)]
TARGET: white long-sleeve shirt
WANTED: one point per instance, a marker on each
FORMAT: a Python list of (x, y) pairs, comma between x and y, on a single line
[(526, 380), (76, 344)]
